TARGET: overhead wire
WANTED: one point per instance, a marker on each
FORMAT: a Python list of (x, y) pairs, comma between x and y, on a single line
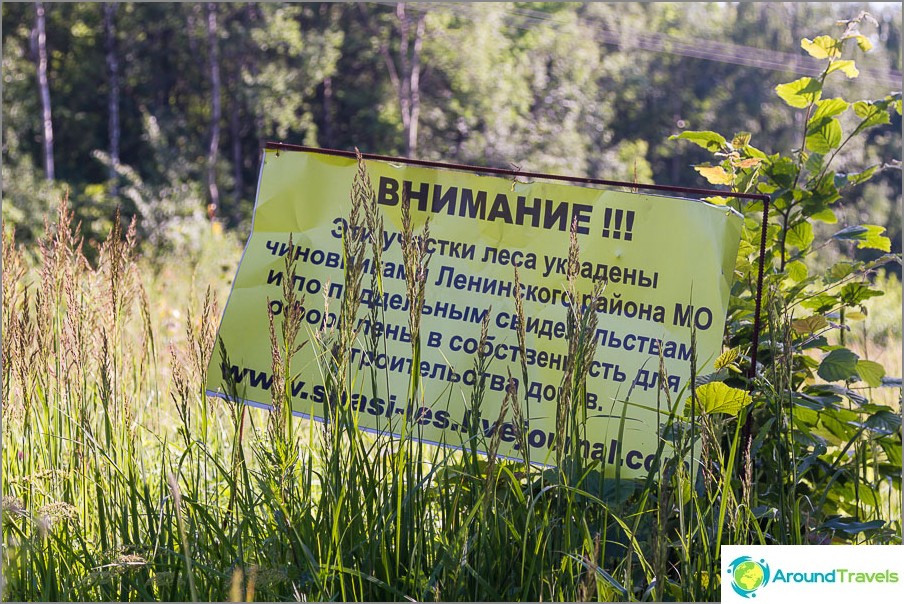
[(709, 50)]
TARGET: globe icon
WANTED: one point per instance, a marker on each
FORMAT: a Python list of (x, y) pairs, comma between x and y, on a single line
[(749, 575)]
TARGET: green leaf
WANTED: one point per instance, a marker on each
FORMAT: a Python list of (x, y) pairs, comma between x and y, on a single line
[(839, 271), (783, 171), (823, 135), (829, 108), (745, 248), (867, 236), (893, 451), (846, 67), (816, 403), (820, 303), (797, 271), (835, 423), (838, 365), (851, 526), (826, 191), (810, 324), (800, 235), (825, 215), (840, 180), (866, 109), (853, 294), (871, 372), (865, 175), (754, 152), (719, 376), (800, 93), (822, 389), (853, 232), (727, 358), (747, 178), (872, 114), (716, 397), (822, 47), (814, 162), (815, 342), (740, 140), (874, 239), (715, 174), (883, 420), (717, 200), (862, 41), (711, 141)]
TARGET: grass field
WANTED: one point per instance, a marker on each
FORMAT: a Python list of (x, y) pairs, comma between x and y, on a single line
[(123, 481)]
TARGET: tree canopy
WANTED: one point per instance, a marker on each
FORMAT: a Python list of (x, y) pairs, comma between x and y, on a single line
[(595, 89)]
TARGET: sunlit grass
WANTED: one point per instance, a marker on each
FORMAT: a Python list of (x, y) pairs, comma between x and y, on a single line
[(122, 480)]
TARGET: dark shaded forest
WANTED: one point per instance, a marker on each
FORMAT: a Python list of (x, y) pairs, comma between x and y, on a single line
[(162, 109)]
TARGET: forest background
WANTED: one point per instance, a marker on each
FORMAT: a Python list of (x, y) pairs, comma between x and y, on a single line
[(162, 109)]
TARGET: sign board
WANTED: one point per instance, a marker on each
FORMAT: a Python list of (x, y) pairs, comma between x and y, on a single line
[(668, 263)]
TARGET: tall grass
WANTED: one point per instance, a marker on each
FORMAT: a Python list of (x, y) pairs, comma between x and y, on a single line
[(122, 480)]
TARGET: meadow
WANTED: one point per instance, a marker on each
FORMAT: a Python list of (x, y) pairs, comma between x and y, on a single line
[(123, 480)]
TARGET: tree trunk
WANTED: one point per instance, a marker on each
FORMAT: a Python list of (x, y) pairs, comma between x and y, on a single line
[(328, 129), (406, 77), (45, 92), (216, 110), (235, 134), (414, 86), (410, 64), (113, 99)]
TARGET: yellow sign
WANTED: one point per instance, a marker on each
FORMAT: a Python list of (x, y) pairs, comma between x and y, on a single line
[(668, 264)]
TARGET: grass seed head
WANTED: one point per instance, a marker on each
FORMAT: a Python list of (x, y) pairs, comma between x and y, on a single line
[(131, 561), (161, 580), (58, 511), (13, 505)]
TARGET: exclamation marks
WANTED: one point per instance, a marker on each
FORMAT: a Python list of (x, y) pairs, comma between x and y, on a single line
[(615, 231), (629, 226), (607, 222)]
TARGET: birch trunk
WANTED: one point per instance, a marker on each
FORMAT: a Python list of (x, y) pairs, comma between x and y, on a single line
[(113, 98), (216, 110), (45, 91)]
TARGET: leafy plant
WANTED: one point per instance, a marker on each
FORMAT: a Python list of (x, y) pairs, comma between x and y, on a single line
[(810, 413)]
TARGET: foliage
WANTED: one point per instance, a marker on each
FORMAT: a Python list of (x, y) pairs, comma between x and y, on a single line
[(810, 415), (568, 88)]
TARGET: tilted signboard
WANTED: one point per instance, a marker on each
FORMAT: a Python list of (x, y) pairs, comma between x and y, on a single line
[(668, 263)]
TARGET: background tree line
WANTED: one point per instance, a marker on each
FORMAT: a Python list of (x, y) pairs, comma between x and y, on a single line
[(163, 108)]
